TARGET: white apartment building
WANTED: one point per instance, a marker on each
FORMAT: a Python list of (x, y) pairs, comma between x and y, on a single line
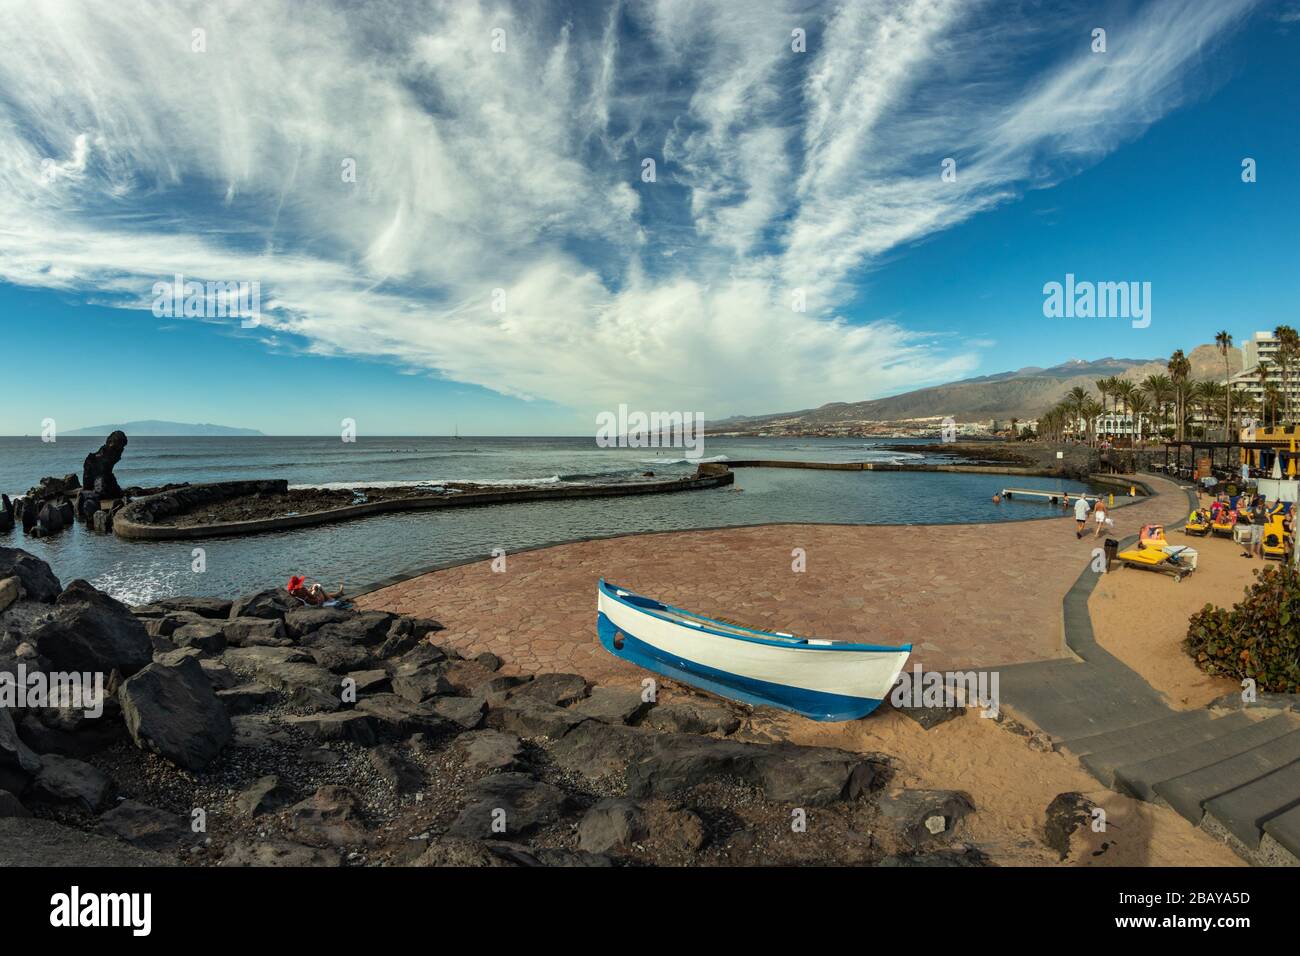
[(1263, 345), (1118, 425)]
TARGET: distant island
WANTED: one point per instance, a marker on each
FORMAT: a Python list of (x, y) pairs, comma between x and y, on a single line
[(154, 428)]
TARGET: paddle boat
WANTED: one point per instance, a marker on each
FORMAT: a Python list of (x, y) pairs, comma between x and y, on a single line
[(822, 679)]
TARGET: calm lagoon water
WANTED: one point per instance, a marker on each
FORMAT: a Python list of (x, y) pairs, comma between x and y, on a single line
[(367, 550)]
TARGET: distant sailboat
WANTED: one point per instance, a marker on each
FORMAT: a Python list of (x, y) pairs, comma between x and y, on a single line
[(457, 433)]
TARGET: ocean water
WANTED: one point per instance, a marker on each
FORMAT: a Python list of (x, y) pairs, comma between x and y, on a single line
[(367, 550)]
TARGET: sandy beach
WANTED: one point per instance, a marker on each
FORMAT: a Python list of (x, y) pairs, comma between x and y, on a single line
[(1141, 618), (975, 596)]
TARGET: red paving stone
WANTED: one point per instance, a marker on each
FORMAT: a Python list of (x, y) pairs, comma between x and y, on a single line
[(963, 595)]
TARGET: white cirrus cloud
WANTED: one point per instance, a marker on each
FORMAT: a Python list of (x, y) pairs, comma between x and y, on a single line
[(126, 157)]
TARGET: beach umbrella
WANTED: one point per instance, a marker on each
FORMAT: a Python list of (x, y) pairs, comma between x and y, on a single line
[(1277, 466)]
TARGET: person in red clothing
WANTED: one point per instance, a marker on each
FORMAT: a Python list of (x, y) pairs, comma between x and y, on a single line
[(311, 592)]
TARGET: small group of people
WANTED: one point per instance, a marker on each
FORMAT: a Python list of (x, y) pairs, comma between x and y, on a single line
[(1101, 519), (1252, 514)]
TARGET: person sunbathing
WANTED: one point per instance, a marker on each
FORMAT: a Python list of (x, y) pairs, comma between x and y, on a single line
[(310, 592)]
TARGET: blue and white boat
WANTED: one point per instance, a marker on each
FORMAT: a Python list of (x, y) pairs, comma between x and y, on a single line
[(824, 680)]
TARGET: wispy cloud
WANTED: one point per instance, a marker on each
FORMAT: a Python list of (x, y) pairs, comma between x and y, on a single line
[(126, 157)]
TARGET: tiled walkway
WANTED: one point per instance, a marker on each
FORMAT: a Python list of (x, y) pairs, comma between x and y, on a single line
[(963, 595)]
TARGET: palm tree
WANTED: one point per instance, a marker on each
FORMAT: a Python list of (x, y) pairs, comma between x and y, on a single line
[(1138, 406), (1075, 398), (1104, 386), (1224, 341), (1090, 411), (1269, 404), (1287, 353), (1263, 369), (1160, 388), (1206, 396), (1179, 369)]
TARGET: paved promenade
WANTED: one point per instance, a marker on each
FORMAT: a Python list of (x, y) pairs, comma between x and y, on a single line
[(963, 595)]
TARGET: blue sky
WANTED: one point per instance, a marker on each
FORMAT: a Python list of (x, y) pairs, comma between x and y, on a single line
[(128, 155)]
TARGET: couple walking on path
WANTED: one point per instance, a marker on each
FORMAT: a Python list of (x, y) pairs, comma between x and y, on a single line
[(1102, 522)]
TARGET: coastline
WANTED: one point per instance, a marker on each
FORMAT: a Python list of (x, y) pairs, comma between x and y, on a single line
[(538, 617)]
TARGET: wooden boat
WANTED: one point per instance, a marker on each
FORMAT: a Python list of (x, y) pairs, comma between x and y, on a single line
[(821, 679)]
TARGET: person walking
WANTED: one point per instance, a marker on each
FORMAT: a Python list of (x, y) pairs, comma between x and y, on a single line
[(1258, 519), (1099, 517), (1081, 510)]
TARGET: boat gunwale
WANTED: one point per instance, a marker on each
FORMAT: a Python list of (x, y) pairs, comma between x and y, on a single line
[(767, 638)]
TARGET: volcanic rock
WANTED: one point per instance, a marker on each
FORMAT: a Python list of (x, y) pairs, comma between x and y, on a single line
[(509, 804), (925, 816), (144, 826), (65, 780), (489, 750), (533, 718), (464, 712), (558, 690), (692, 716), (38, 580), (174, 712), (612, 824), (329, 817), (97, 471), (278, 853), (266, 795), (90, 632), (349, 725), (614, 705), (271, 603)]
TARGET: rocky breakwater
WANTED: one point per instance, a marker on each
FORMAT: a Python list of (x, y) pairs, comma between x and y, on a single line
[(258, 732), (54, 504), (251, 507)]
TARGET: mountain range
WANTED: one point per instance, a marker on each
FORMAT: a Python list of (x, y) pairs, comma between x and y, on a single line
[(155, 428), (1023, 394)]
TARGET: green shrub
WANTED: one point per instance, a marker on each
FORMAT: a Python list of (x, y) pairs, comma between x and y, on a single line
[(1259, 638)]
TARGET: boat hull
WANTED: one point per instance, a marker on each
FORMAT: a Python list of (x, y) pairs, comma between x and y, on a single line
[(820, 682)]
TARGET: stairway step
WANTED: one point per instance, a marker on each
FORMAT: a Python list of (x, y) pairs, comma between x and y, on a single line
[(1138, 778), (1164, 723), (1067, 720), (1244, 811), (1284, 829), (1138, 743), (1188, 793)]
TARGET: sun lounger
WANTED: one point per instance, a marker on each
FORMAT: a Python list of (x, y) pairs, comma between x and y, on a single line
[(1169, 560), (1275, 539), (1224, 523), (1198, 524), (1152, 536)]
